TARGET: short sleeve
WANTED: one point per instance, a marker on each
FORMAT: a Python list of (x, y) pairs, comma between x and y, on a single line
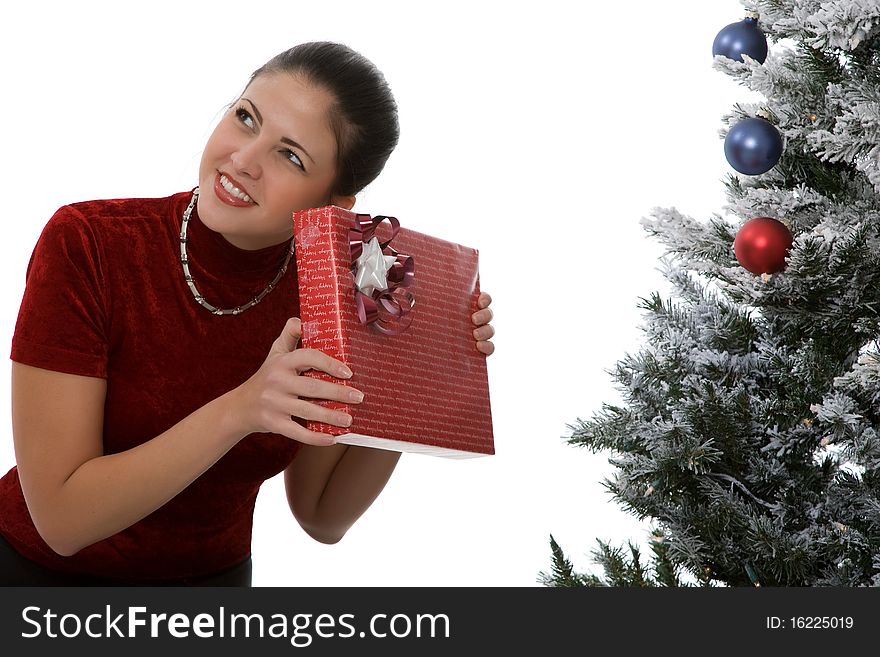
[(62, 323)]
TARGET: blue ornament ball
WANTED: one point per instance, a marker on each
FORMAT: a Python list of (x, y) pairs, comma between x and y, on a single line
[(743, 38), (753, 146)]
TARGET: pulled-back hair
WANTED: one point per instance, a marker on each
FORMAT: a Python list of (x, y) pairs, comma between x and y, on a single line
[(364, 116)]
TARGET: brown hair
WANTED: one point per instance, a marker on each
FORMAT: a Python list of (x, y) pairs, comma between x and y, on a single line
[(364, 116)]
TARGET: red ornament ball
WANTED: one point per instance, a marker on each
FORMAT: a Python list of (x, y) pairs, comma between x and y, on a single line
[(762, 244)]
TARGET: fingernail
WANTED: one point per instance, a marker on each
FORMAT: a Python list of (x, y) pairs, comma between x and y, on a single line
[(344, 372), (355, 396), (346, 421)]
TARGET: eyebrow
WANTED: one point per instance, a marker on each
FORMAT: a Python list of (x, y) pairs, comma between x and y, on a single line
[(284, 140)]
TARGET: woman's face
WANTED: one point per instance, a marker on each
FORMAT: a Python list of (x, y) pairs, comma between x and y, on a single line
[(272, 153)]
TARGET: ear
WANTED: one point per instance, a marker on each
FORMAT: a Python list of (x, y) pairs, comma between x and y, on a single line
[(346, 202)]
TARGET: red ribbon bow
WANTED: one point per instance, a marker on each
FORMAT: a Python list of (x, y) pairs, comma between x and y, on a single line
[(389, 310)]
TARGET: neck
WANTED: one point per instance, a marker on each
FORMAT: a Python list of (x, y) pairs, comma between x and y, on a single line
[(256, 242)]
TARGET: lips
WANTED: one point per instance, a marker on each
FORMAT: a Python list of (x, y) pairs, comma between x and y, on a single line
[(231, 192)]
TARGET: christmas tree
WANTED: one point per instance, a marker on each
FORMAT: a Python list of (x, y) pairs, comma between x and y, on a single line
[(749, 432)]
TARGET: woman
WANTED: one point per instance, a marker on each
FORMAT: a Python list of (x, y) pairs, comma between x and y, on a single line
[(156, 376)]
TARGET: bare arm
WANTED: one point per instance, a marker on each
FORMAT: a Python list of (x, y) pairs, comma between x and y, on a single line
[(329, 488), (77, 495)]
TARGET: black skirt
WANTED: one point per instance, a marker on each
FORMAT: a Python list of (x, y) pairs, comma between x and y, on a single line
[(16, 570)]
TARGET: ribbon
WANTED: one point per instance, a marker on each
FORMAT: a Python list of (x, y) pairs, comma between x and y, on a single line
[(388, 308)]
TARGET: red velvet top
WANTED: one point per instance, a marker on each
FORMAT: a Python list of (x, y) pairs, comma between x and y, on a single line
[(106, 297)]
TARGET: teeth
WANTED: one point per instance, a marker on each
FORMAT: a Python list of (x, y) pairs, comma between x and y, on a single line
[(232, 189)]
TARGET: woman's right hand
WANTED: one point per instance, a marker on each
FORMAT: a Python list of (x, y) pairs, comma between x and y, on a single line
[(273, 396), (78, 495)]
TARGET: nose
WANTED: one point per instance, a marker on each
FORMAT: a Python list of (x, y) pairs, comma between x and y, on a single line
[(246, 160)]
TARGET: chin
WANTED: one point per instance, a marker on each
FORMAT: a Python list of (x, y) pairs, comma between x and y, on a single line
[(213, 213)]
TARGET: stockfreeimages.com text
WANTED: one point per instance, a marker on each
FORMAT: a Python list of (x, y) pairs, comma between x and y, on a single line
[(300, 629)]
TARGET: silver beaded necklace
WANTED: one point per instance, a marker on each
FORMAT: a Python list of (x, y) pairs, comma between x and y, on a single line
[(184, 260)]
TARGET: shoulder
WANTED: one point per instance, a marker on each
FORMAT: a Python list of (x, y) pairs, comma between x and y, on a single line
[(100, 220), (113, 211)]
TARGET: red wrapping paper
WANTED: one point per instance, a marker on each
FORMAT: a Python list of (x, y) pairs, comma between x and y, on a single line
[(425, 390)]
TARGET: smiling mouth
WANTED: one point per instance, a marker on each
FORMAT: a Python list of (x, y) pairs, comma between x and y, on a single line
[(233, 190)]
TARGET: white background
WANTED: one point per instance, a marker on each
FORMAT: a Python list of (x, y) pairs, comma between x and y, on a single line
[(539, 133)]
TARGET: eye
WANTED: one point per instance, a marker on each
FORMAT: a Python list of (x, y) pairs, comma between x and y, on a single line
[(293, 158), (244, 116)]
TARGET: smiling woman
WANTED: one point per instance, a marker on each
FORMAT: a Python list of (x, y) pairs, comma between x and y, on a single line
[(156, 379), (252, 162)]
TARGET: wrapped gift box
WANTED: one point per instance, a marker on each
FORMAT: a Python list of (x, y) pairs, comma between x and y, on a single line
[(426, 387)]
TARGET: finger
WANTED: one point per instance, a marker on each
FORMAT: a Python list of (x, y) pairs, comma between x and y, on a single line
[(484, 332), (295, 431), (484, 300), (289, 338), (313, 388), (486, 347), (482, 316), (315, 359), (306, 410)]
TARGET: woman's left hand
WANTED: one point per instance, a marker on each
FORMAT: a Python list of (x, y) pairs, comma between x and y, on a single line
[(481, 319)]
